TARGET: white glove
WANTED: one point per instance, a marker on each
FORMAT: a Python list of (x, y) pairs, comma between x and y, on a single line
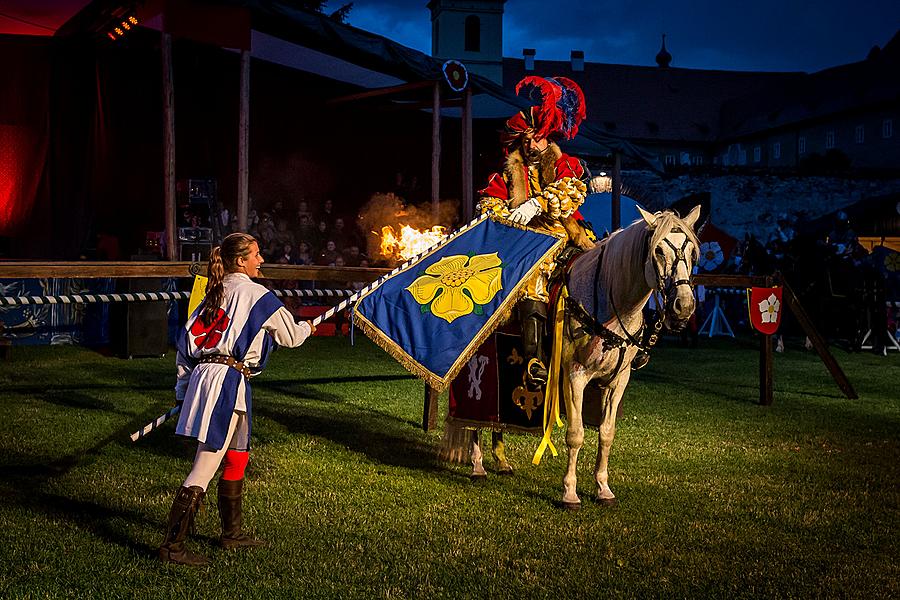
[(526, 211)]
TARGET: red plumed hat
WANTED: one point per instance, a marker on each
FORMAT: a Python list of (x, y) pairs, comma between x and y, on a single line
[(559, 112)]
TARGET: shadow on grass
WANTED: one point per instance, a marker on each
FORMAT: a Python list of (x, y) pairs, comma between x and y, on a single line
[(382, 438), (96, 518)]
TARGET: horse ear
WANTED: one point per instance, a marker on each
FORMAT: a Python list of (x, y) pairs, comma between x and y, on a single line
[(691, 219), (650, 218)]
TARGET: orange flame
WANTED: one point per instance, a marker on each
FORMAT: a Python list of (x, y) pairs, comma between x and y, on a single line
[(409, 242)]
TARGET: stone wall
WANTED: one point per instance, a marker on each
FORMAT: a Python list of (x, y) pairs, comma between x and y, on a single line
[(742, 204)]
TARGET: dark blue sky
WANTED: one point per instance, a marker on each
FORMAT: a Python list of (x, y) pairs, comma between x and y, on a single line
[(761, 35)]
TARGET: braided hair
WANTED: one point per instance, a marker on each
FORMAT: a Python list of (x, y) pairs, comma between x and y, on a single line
[(222, 260)]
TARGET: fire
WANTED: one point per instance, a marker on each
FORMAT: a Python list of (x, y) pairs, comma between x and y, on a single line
[(410, 241)]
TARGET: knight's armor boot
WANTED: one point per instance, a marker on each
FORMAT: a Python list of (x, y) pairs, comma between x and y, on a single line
[(533, 316)]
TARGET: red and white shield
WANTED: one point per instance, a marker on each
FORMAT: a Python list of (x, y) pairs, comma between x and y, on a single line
[(765, 309)]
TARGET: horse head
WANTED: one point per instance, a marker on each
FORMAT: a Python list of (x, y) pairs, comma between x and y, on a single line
[(672, 251)]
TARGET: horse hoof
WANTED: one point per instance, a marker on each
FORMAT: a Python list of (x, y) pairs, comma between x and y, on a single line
[(570, 506), (507, 472), (608, 501), (478, 477)]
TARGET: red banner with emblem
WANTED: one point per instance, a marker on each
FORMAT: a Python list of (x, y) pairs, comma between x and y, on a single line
[(765, 309)]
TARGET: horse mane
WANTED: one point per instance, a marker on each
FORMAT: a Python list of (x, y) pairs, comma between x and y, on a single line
[(624, 249)]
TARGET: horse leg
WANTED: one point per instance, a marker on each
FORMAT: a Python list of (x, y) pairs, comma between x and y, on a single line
[(573, 394), (498, 450), (478, 471), (610, 406)]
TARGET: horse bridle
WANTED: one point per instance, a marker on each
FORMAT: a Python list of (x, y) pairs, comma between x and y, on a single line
[(664, 286)]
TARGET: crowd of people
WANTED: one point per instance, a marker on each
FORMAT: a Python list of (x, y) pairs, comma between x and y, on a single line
[(307, 235)]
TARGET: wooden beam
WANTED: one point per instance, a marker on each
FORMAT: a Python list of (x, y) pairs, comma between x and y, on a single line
[(467, 179), (766, 365), (243, 183), (82, 269), (723, 280), (436, 153), (385, 91), (418, 105), (616, 204), (168, 86), (817, 341)]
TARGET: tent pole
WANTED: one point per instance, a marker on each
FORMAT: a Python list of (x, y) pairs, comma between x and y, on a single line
[(436, 153), (243, 191), (168, 144)]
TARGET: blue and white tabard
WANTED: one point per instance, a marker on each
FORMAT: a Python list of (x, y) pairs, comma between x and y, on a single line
[(251, 322)]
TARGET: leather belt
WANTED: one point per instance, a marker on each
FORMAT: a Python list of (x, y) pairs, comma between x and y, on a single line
[(221, 359)]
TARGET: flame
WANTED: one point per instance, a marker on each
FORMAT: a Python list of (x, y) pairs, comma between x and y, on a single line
[(410, 241)]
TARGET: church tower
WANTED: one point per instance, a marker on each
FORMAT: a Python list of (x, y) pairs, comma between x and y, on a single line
[(470, 31)]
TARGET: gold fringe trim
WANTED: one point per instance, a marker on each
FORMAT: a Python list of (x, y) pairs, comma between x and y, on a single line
[(503, 312)]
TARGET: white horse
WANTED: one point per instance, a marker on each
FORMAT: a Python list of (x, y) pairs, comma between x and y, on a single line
[(608, 287)]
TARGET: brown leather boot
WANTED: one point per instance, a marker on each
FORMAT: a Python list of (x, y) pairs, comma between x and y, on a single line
[(231, 513), (181, 520)]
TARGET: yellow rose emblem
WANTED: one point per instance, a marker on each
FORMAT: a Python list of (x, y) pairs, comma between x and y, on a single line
[(454, 285)]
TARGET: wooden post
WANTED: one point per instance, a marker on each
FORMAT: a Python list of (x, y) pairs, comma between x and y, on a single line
[(430, 410), (436, 153), (243, 191), (168, 86), (818, 343), (766, 379), (766, 357), (616, 205), (467, 182)]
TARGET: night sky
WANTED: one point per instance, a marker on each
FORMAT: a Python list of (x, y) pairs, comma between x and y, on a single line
[(761, 35)]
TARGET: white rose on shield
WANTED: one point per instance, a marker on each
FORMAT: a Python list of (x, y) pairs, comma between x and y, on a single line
[(711, 255), (769, 309)]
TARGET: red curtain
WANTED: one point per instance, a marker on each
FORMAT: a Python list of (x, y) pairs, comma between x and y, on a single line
[(24, 131)]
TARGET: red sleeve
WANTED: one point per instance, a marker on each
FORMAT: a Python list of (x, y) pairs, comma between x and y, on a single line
[(496, 188), (569, 166)]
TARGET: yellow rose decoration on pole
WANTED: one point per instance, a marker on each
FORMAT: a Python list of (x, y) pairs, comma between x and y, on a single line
[(458, 285)]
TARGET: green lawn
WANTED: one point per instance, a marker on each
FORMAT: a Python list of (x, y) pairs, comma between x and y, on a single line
[(718, 497)]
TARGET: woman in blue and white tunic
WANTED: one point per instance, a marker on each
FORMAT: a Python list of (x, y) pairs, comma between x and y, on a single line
[(225, 342)]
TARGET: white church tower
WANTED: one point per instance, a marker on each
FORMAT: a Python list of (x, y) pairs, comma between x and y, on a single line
[(470, 31)]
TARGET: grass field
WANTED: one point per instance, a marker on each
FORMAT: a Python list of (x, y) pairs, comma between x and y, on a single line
[(718, 497)]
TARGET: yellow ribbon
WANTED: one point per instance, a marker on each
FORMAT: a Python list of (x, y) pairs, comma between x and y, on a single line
[(198, 292), (551, 395)]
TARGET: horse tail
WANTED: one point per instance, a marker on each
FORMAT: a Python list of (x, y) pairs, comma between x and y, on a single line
[(455, 443)]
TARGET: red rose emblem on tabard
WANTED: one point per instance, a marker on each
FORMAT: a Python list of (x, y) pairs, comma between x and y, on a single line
[(208, 336)]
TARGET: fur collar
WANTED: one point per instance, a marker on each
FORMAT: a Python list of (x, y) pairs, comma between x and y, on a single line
[(516, 173)]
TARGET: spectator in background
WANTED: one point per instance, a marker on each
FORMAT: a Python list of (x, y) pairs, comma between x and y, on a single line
[(303, 210), (287, 255), (340, 236), (304, 257), (352, 256), (283, 235), (328, 255), (326, 213), (305, 229), (320, 236)]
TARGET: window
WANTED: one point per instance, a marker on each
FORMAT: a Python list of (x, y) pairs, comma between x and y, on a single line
[(829, 139), (801, 145), (757, 154), (887, 128), (670, 160), (473, 34), (696, 159), (742, 155), (859, 134), (776, 150)]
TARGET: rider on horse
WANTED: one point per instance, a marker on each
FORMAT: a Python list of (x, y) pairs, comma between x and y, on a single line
[(541, 187)]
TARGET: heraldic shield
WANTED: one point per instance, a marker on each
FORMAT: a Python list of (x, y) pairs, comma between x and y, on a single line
[(433, 314), (765, 306)]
